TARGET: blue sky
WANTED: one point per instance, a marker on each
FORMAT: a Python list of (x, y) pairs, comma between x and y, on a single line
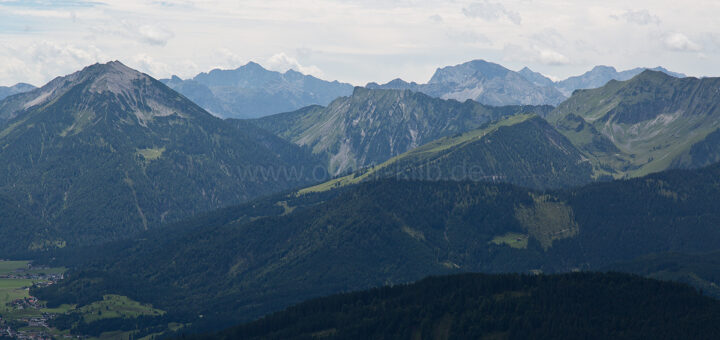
[(356, 41)]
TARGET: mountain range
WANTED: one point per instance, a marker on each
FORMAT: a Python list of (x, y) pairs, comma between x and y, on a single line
[(149, 199), (493, 84), (60, 139), (251, 91), (481, 81), (674, 126), (108, 151), (371, 126)]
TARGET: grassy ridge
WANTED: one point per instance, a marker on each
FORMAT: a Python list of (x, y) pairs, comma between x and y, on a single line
[(116, 306)]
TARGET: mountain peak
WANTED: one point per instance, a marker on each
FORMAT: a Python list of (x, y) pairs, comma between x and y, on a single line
[(481, 62), (535, 77), (471, 69), (23, 86), (398, 81), (364, 92), (251, 65), (110, 67), (396, 84), (651, 74), (360, 91), (99, 86), (112, 77), (6, 91), (603, 68), (668, 72)]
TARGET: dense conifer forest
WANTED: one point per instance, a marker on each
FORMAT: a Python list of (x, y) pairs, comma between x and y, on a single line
[(508, 306)]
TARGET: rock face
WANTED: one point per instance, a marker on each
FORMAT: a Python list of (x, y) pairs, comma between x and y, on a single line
[(252, 91), (108, 151), (371, 126)]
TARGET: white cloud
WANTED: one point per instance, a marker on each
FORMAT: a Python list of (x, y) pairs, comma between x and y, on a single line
[(356, 41), (549, 37), (491, 11), (44, 13), (228, 59), (534, 54), (147, 64), (436, 18), (680, 42), (469, 37), (33, 62), (640, 17), (49, 4), (550, 57), (281, 62), (154, 34)]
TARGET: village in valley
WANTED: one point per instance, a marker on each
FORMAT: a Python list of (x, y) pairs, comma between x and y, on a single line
[(23, 316)]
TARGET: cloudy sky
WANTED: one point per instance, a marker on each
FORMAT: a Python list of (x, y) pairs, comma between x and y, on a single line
[(356, 41)]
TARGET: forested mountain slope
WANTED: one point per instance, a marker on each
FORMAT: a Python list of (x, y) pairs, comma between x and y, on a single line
[(390, 232), (108, 151), (20, 230), (701, 270)]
